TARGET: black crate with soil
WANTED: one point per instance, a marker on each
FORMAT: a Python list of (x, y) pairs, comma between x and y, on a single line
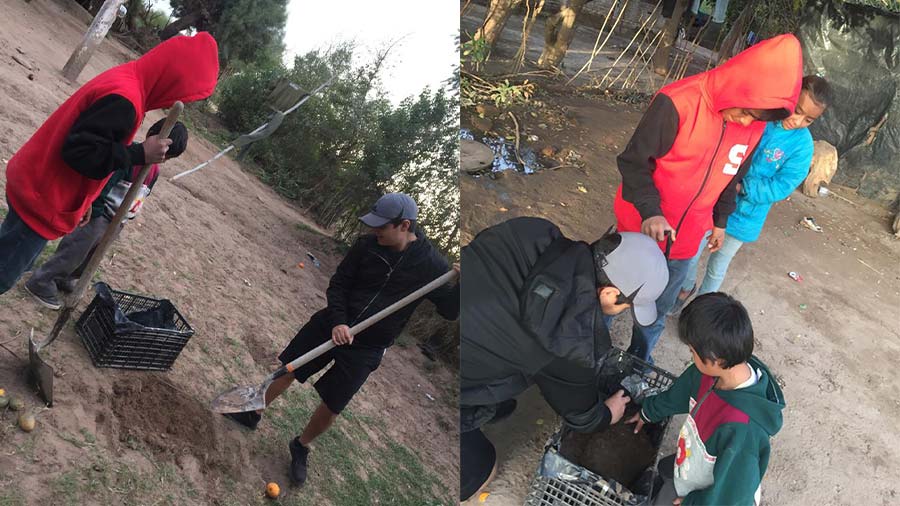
[(613, 467), (129, 331)]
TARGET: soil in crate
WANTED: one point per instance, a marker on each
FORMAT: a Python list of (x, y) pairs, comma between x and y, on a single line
[(616, 453)]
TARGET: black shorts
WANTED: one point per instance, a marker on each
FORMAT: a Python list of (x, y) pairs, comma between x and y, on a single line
[(352, 363)]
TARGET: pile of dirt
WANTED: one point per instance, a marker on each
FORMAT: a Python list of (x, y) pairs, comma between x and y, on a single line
[(616, 453), (169, 422)]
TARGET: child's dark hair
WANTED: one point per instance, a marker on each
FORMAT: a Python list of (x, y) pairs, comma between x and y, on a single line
[(818, 88), (773, 114), (718, 328), (179, 137), (599, 249)]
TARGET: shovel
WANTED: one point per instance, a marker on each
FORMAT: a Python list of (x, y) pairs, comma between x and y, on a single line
[(39, 372), (253, 398)]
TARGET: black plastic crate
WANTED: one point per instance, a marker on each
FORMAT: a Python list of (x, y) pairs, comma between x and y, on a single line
[(560, 482), (136, 347)]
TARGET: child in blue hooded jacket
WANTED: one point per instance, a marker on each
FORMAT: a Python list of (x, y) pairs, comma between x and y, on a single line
[(780, 163)]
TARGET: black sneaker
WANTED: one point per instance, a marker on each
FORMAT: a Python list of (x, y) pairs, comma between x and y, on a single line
[(66, 285), (51, 302), (248, 419), (299, 453)]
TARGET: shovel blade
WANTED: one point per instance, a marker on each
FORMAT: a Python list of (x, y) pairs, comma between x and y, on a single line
[(238, 399), (40, 374)]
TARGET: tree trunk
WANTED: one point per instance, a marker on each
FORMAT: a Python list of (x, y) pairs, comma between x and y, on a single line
[(559, 33), (670, 33), (824, 165), (497, 15), (735, 33), (178, 25), (92, 38)]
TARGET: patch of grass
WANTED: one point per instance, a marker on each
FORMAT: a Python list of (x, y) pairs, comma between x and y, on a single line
[(46, 253), (88, 437), (364, 470), (66, 487), (404, 340), (11, 496), (306, 228), (117, 483), (73, 440)]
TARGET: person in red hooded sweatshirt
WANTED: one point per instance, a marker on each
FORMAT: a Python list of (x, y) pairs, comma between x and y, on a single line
[(54, 177), (681, 166)]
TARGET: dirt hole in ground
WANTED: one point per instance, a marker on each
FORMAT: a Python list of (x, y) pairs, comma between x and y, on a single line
[(169, 422), (615, 453)]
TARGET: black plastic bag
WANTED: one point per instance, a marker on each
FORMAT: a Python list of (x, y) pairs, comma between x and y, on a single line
[(159, 317)]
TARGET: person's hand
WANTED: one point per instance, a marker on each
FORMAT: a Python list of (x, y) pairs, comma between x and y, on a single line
[(637, 420), (155, 149), (716, 238), (656, 227), (456, 269), (677, 501), (616, 404), (738, 188), (341, 335), (86, 218)]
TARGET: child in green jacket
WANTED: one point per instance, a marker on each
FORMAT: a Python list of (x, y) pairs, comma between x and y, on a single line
[(733, 403)]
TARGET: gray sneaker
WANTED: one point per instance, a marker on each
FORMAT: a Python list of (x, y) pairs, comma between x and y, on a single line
[(50, 302)]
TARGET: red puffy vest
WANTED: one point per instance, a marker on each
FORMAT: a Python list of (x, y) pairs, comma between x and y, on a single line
[(50, 196), (708, 152)]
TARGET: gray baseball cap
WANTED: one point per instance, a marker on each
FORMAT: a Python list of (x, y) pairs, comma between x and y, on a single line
[(638, 268), (390, 207)]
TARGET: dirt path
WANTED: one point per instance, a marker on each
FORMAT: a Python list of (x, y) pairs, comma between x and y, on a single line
[(833, 339), (225, 249)]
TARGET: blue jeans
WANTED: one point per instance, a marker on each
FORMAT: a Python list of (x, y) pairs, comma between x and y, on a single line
[(644, 339), (716, 267), (19, 248)]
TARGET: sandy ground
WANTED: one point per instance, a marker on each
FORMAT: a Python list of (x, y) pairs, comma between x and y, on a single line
[(833, 340), (225, 249)]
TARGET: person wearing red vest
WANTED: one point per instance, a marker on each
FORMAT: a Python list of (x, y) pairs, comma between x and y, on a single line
[(54, 177), (681, 166)]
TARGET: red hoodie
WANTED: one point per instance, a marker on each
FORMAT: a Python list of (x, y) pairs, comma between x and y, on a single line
[(683, 155), (48, 194)]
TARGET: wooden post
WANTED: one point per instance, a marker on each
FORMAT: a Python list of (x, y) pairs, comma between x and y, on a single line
[(94, 36)]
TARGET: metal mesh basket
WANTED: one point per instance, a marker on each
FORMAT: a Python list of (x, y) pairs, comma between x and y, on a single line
[(560, 482), (547, 491), (145, 348)]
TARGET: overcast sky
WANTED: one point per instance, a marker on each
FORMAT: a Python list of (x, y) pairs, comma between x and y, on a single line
[(425, 55)]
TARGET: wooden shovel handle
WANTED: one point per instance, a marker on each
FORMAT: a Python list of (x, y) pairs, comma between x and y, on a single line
[(368, 322), (109, 236)]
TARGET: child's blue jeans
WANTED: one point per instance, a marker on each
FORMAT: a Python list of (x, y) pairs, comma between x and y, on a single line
[(716, 267), (19, 248)]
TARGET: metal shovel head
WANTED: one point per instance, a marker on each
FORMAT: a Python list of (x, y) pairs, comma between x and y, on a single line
[(238, 399), (40, 373)]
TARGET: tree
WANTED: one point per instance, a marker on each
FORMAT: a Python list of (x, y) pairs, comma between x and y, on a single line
[(345, 147), (497, 15), (558, 34), (249, 32), (660, 60)]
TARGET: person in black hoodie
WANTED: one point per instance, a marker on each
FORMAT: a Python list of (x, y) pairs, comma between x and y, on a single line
[(532, 313), (381, 268)]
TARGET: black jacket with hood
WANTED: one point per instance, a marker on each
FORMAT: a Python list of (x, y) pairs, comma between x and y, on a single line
[(522, 326), (372, 277)]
